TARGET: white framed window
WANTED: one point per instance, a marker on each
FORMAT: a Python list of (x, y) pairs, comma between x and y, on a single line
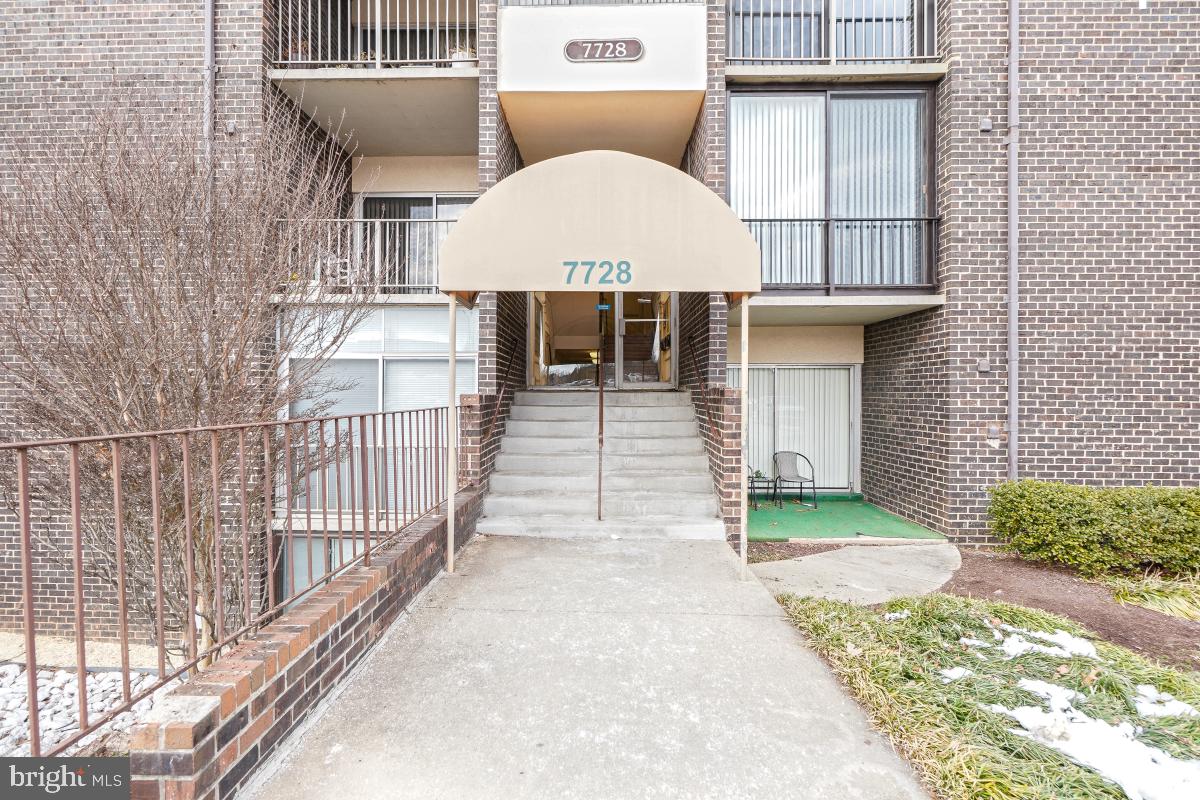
[(397, 359)]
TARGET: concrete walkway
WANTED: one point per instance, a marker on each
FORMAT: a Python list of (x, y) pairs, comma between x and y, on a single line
[(591, 669), (862, 575)]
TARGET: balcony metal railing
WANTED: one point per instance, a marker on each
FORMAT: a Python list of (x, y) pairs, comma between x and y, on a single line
[(593, 2), (831, 31), (395, 256), (375, 33), (191, 538), (847, 254)]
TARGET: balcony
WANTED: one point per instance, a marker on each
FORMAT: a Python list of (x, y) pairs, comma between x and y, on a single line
[(394, 256), (842, 271), (833, 255), (375, 34), (833, 40), (391, 77)]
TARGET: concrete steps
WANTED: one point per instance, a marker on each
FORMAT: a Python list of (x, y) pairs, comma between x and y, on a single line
[(551, 526), (611, 399), (612, 414), (614, 463), (656, 478), (516, 482), (612, 428), (617, 503), (549, 444)]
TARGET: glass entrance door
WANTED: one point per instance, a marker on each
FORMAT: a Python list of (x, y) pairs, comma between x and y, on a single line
[(645, 344), (625, 338)]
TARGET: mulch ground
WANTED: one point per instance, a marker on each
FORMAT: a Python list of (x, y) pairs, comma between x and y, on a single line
[(994, 576), (778, 551)]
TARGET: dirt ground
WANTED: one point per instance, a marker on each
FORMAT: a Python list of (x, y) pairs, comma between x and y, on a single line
[(777, 551), (994, 576)]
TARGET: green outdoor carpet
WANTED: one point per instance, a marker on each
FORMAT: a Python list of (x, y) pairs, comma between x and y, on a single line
[(835, 518)]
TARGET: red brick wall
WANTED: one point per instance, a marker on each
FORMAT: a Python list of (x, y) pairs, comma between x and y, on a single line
[(719, 415), (503, 317), (1110, 174), (62, 62), (207, 737)]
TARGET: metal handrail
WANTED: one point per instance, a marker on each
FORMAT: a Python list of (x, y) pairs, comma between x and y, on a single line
[(512, 340), (603, 318), (691, 341)]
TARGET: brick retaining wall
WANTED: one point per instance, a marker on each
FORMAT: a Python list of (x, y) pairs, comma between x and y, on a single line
[(208, 736)]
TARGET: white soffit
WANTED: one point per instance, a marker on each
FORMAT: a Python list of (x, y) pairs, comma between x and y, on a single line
[(845, 309)]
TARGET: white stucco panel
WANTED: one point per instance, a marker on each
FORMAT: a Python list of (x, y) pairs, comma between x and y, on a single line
[(531, 42)]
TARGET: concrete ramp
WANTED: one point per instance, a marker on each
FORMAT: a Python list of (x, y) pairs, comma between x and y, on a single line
[(594, 670)]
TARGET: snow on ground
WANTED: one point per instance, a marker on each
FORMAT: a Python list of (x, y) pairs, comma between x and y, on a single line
[(954, 673), (1112, 751), (58, 705), (1143, 772), (1151, 702), (1017, 643)]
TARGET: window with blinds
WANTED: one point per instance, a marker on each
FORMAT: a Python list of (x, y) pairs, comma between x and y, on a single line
[(807, 409), (396, 359), (833, 185), (404, 233)]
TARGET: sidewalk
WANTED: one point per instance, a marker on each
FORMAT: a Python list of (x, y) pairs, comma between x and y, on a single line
[(590, 669)]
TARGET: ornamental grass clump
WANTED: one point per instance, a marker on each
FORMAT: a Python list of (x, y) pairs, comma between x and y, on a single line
[(942, 677)]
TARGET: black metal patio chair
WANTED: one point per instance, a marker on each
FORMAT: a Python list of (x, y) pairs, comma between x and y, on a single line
[(790, 472)]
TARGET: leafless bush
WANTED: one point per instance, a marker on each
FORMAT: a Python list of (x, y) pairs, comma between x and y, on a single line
[(161, 282)]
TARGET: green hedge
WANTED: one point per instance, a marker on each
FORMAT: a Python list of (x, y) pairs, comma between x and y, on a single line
[(1099, 530)]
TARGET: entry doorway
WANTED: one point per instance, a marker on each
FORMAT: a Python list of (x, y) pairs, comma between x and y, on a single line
[(629, 338)]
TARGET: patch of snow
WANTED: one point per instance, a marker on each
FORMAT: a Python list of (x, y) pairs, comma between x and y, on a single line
[(1016, 645), (1061, 643), (1151, 702), (974, 642), (1059, 698), (954, 673), (1112, 751), (893, 616)]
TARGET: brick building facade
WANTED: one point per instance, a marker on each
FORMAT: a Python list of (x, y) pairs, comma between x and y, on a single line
[(1109, 329), (1109, 175)]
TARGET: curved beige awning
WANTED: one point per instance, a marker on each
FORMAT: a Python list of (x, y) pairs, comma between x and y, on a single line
[(645, 225)]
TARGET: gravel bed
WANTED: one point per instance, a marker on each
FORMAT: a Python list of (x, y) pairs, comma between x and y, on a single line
[(58, 706)]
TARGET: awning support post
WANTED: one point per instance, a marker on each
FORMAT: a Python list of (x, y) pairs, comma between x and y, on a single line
[(745, 386), (600, 412), (451, 435)]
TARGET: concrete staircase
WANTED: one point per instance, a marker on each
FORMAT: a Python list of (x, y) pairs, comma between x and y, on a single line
[(656, 479)]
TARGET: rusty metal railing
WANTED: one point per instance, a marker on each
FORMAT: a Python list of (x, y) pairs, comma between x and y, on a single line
[(180, 542)]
